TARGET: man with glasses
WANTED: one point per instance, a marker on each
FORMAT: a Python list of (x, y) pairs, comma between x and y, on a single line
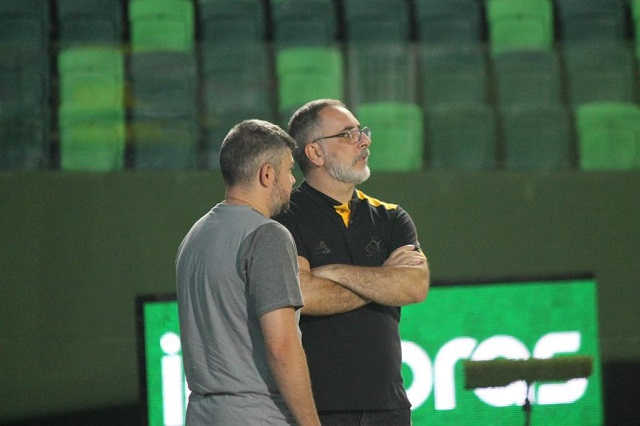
[(359, 261)]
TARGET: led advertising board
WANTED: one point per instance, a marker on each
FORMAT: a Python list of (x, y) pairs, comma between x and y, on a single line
[(513, 319)]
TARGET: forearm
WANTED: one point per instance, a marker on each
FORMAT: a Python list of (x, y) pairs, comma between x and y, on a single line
[(290, 370), (325, 297), (288, 364), (387, 285)]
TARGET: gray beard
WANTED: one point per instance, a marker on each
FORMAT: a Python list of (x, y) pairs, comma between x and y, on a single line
[(345, 173)]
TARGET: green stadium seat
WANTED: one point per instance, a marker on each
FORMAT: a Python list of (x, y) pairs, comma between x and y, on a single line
[(92, 76), (231, 22), (304, 22), (164, 110), (453, 75), (91, 139), (593, 20), (213, 134), (164, 144), (608, 136), (161, 25), (461, 137), (536, 137), (385, 72), (598, 72), (24, 87), (308, 73), (24, 25), (90, 22), (163, 84), (236, 79), (375, 21), (635, 17), (517, 25), (24, 143), (451, 22), (527, 77), (236, 84), (397, 135)]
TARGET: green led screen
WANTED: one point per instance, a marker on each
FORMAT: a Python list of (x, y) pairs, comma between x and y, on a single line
[(514, 320)]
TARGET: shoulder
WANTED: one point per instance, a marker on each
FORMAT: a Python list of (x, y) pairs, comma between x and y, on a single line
[(273, 230), (375, 203), (385, 210)]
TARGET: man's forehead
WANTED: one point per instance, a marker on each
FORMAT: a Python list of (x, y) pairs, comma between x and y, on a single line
[(337, 113)]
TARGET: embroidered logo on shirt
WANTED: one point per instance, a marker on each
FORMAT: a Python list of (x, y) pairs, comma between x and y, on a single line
[(375, 247), (321, 248)]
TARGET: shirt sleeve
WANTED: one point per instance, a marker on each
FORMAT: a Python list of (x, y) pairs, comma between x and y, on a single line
[(288, 220), (272, 269), (403, 230)]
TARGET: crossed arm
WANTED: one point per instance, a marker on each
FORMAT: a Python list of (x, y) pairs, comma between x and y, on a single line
[(402, 279)]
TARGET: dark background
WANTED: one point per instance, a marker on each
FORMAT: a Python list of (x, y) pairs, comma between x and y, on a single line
[(77, 248)]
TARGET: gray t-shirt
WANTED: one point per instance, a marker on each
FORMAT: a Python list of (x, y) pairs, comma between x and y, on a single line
[(233, 266)]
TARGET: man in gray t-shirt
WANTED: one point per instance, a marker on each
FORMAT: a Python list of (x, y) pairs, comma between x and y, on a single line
[(239, 293)]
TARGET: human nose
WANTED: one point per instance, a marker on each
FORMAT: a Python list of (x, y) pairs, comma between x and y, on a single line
[(365, 139)]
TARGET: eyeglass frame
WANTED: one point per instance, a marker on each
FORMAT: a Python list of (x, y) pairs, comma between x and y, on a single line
[(361, 131)]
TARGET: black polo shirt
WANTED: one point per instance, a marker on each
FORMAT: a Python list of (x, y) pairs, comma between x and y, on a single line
[(354, 358)]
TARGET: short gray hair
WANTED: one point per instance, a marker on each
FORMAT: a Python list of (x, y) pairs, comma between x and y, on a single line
[(249, 145)]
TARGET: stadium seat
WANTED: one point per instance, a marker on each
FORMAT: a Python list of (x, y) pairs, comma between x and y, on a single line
[(598, 72), (88, 22), (213, 134), (304, 22), (397, 135), (517, 25), (635, 16), (231, 22), (461, 137), (164, 112), (452, 75), (24, 143), (527, 77), (91, 139), (374, 21), (236, 79), (236, 84), (25, 86), (536, 137), (383, 72), (161, 25), (593, 20), (164, 144), (308, 73), (608, 136), (24, 25), (163, 84), (452, 22), (92, 76)]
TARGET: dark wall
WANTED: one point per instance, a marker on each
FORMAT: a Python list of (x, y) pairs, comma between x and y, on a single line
[(77, 248)]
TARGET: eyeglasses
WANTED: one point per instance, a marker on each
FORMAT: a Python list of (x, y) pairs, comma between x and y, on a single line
[(355, 135)]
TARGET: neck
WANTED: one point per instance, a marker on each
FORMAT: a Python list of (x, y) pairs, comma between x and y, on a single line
[(339, 191), (242, 200)]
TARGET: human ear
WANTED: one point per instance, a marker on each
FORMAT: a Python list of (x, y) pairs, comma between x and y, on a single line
[(314, 154), (266, 175)]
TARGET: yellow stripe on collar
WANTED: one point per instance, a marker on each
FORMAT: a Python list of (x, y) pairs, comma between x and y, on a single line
[(375, 202), (345, 212)]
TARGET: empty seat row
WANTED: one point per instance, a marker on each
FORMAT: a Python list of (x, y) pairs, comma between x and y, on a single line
[(506, 23), (165, 94)]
